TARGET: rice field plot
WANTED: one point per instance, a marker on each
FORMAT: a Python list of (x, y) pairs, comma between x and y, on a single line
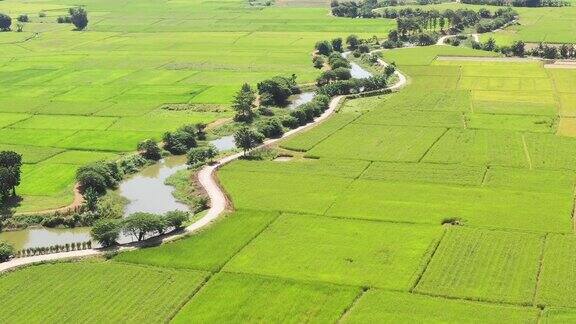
[(403, 117), (109, 141), (558, 315), (209, 249), (40, 137), (32, 154), (302, 193), (567, 105), (433, 100), (549, 151), (72, 108), (504, 83), (309, 138), (514, 108), (47, 179), (484, 265), (567, 127), (80, 157), (95, 292), (351, 252), (563, 79), (535, 124), (557, 280), (66, 122), (479, 147), (455, 174), (242, 298), (7, 119), (380, 306), (561, 182), (385, 143), (319, 167), (426, 55), (493, 72), (434, 203)]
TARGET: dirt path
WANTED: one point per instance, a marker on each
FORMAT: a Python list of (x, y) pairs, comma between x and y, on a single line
[(208, 180)]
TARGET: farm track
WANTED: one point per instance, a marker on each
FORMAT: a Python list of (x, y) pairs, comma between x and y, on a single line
[(219, 202)]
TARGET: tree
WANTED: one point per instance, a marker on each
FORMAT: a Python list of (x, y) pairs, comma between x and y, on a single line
[(243, 103), (79, 17), (5, 22), (91, 180), (353, 41), (275, 91), (199, 155), (90, 198), (176, 218), (149, 149), (180, 141), (23, 18), (140, 224), (6, 251), (337, 44), (342, 73), (106, 232), (318, 62), (324, 47), (200, 131), (247, 139), (518, 48), (12, 162), (490, 44)]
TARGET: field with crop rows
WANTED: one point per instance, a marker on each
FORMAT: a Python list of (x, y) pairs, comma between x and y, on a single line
[(449, 201), (103, 90)]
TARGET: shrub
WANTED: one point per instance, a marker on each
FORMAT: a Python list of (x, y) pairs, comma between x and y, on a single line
[(342, 73), (99, 176), (180, 141), (78, 17), (41, 14), (199, 155), (5, 22), (6, 251), (265, 111), (131, 163), (290, 121), (271, 128), (176, 218), (64, 20), (318, 62), (364, 48), (106, 232), (337, 44), (324, 47), (23, 18), (149, 150)]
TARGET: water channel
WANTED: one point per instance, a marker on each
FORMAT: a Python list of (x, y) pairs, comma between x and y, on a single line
[(146, 190)]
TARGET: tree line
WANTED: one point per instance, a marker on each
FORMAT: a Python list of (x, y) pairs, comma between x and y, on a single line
[(518, 49), (77, 16), (520, 3)]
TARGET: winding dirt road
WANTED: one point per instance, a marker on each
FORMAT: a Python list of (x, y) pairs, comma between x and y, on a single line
[(208, 180)]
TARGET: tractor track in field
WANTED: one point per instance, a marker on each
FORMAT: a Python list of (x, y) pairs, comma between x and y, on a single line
[(206, 177)]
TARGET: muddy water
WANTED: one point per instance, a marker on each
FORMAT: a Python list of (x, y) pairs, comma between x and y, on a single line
[(225, 143), (40, 236), (147, 191), (300, 99)]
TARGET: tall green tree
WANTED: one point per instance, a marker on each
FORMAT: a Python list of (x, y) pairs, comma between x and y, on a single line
[(5, 22), (79, 17), (12, 163), (243, 103), (247, 139)]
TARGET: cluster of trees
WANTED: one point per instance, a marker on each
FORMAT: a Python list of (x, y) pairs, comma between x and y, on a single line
[(139, 225), (76, 16), (306, 113), (199, 155), (518, 48), (499, 19), (184, 138), (520, 3), (10, 171), (247, 138), (354, 9), (275, 91), (77, 246)]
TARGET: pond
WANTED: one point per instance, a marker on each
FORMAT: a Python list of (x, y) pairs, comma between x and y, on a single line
[(300, 99)]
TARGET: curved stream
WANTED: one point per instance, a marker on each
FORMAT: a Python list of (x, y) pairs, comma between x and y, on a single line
[(146, 190)]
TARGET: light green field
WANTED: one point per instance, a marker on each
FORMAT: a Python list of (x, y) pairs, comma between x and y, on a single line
[(102, 89), (95, 292), (378, 306), (350, 252), (242, 298), (484, 265)]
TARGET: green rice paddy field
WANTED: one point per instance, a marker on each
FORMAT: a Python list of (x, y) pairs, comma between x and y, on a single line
[(68, 97), (449, 201)]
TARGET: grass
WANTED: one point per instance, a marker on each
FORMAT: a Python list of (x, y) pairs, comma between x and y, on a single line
[(205, 251), (340, 251), (93, 292), (242, 298), (484, 265), (378, 306)]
